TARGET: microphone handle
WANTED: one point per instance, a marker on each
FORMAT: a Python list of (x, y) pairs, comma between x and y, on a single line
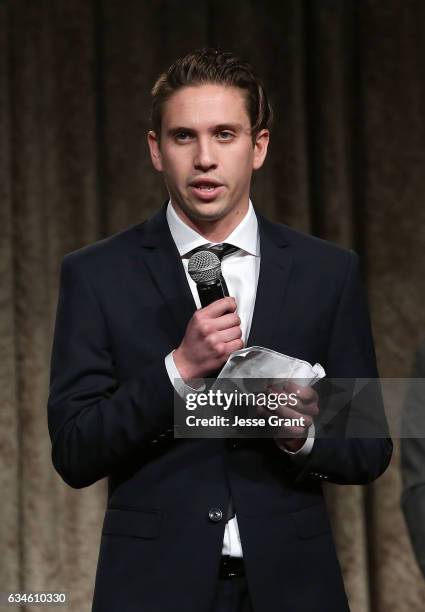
[(211, 291)]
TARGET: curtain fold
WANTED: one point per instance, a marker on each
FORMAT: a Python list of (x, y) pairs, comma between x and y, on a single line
[(9, 418)]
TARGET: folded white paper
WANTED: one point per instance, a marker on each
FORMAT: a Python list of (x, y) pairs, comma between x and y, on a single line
[(259, 362)]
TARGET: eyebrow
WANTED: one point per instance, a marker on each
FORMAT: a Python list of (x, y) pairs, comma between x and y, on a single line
[(217, 128)]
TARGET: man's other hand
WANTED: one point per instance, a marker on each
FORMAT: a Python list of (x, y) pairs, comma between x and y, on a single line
[(307, 407)]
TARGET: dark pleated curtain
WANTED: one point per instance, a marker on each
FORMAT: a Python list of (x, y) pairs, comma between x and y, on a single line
[(345, 163)]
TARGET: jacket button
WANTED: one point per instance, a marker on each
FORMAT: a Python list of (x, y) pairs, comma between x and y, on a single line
[(215, 515)]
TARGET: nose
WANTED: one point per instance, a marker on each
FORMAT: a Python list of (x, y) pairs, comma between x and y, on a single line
[(204, 156)]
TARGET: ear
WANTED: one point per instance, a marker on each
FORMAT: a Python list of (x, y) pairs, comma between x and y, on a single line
[(155, 151), (260, 148)]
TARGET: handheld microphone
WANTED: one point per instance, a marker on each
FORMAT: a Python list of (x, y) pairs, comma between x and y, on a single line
[(205, 269)]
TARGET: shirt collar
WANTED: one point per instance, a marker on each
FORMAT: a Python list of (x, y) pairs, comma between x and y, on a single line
[(244, 236)]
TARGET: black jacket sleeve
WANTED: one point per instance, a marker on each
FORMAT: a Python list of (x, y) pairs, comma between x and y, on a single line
[(94, 424)]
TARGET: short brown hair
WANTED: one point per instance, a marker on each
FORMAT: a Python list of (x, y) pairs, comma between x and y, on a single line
[(213, 66)]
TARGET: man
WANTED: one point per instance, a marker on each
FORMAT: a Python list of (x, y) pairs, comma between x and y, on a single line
[(128, 330)]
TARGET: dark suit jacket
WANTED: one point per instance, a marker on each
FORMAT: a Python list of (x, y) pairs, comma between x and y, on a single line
[(123, 306)]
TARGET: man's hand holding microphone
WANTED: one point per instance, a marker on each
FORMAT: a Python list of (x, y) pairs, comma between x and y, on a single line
[(212, 334)]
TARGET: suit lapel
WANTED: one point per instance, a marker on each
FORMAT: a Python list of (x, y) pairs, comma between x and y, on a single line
[(164, 265), (273, 280)]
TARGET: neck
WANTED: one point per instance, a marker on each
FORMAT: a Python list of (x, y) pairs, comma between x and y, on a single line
[(214, 230)]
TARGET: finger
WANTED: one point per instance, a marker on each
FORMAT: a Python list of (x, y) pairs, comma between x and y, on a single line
[(227, 321), (310, 408), (305, 394), (290, 413), (233, 345), (219, 307), (226, 335), (263, 411)]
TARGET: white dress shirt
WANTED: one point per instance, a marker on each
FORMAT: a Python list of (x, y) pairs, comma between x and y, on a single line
[(240, 270)]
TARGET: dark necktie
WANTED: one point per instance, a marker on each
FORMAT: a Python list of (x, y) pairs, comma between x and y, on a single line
[(221, 250)]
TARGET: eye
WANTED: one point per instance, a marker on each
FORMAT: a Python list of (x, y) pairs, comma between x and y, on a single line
[(183, 136), (225, 135)]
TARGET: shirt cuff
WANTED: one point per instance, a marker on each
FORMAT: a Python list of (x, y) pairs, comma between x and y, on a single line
[(305, 449), (177, 381)]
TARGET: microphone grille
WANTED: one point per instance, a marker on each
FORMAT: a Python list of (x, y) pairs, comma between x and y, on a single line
[(204, 266)]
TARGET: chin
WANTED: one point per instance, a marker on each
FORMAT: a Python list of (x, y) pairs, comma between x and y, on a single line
[(206, 212), (209, 212), (213, 216)]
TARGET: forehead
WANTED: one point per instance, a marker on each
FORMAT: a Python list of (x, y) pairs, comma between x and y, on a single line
[(196, 105)]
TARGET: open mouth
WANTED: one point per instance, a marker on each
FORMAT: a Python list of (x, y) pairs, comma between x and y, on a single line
[(206, 191)]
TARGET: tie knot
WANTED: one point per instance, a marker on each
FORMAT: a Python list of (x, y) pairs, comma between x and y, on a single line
[(221, 250)]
